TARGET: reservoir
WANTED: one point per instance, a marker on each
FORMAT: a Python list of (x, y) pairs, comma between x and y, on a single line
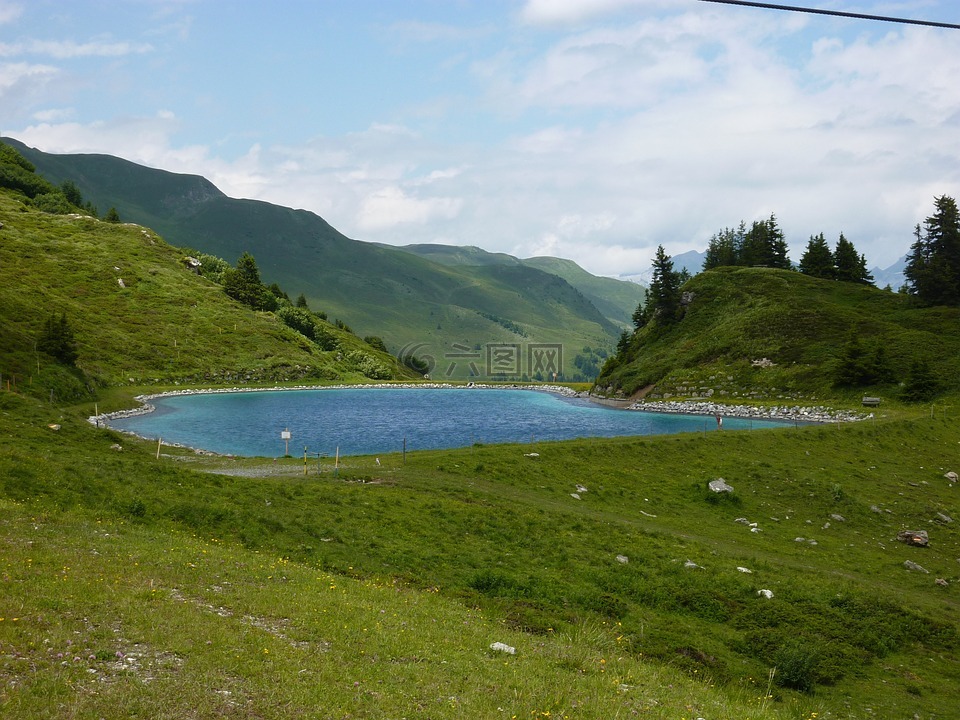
[(367, 421)]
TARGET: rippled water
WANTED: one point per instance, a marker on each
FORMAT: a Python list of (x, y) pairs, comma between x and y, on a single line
[(379, 420)]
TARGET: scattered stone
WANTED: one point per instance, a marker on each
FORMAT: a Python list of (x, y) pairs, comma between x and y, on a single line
[(755, 530), (623, 559), (812, 542), (951, 476), (799, 539), (914, 567), (54, 426), (745, 570), (692, 565), (581, 489), (575, 496), (768, 594), (720, 486), (826, 526), (941, 582), (875, 509), (120, 282), (838, 518), (504, 648), (116, 446), (531, 455), (945, 519), (914, 537), (742, 521)]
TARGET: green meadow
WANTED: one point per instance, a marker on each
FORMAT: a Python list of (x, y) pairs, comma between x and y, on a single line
[(197, 586)]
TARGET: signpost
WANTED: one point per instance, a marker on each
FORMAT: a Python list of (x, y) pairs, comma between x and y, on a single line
[(285, 436)]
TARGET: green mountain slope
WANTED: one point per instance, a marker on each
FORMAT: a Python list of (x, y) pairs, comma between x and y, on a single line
[(803, 326), (615, 299), (139, 314), (407, 300)]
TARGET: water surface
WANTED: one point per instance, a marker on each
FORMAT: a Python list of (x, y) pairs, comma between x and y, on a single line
[(379, 420)]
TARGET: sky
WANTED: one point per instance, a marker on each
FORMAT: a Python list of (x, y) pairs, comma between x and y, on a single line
[(593, 130)]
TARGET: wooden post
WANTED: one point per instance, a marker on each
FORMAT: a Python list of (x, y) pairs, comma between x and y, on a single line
[(304, 459), (159, 440)]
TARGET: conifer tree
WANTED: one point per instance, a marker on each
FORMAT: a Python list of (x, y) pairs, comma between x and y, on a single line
[(817, 260), (933, 265), (850, 266), (663, 295), (58, 341)]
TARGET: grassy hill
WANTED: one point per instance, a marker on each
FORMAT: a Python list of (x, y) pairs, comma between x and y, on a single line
[(407, 300), (615, 299), (802, 325), (139, 583), (139, 314)]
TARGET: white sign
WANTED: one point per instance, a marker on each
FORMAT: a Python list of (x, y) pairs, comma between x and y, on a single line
[(285, 435)]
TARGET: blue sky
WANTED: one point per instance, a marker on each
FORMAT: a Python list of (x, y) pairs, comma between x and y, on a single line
[(588, 129)]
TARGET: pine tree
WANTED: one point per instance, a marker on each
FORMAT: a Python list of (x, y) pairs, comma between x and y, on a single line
[(721, 250), (933, 265), (850, 265), (817, 261), (57, 340), (663, 295)]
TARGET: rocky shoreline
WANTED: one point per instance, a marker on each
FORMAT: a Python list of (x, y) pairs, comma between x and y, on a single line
[(798, 413)]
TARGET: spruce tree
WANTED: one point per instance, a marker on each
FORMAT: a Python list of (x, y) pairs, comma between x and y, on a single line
[(663, 295), (817, 261), (933, 265), (850, 265), (58, 341)]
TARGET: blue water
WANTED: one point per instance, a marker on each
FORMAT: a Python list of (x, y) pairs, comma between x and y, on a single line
[(378, 420)]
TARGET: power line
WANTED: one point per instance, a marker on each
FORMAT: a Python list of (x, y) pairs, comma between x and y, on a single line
[(837, 13)]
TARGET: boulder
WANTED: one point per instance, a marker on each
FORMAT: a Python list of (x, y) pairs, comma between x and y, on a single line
[(917, 538), (720, 486), (951, 476)]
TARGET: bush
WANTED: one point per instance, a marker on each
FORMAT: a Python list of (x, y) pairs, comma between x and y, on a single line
[(54, 203)]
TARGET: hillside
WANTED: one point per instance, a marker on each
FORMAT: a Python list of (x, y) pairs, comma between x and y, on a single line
[(615, 299), (443, 310), (801, 325), (139, 314)]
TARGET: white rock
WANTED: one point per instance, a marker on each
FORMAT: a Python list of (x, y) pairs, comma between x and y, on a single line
[(744, 570), (768, 594), (623, 559), (504, 648)]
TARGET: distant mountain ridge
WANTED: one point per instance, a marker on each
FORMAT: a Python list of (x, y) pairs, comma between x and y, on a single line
[(445, 308)]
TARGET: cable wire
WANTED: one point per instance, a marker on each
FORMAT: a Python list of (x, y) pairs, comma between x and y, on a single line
[(837, 13)]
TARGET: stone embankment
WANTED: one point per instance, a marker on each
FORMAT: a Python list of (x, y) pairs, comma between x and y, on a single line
[(799, 413)]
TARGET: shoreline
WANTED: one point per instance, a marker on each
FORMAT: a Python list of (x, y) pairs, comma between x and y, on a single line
[(798, 413)]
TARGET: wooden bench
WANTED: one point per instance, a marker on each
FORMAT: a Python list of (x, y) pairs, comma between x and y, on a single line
[(871, 401)]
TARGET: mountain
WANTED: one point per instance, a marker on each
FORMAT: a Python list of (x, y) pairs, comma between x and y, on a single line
[(616, 299), (781, 334), (691, 261), (892, 276), (460, 317), (140, 315)]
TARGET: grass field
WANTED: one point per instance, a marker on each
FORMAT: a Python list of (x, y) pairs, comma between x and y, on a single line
[(242, 588)]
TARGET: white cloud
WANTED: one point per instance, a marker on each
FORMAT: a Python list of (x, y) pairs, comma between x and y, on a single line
[(64, 49), (390, 207), (9, 12), (562, 12)]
